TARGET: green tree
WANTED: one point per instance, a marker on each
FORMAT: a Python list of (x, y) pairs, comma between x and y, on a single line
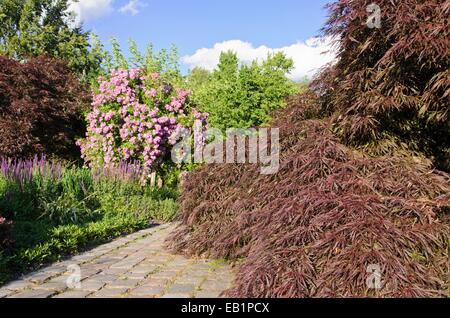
[(164, 62), (244, 96), (198, 77), (45, 27)]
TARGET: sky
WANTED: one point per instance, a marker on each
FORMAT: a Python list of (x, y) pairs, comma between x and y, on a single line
[(201, 29)]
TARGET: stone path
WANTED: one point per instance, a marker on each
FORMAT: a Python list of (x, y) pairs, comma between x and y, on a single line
[(135, 266)]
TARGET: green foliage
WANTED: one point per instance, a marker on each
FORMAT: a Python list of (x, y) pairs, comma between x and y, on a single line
[(45, 27), (198, 77), (242, 96), (164, 62), (55, 216), (52, 243), (303, 85)]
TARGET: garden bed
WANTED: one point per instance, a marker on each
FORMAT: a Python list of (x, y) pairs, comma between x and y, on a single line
[(51, 210)]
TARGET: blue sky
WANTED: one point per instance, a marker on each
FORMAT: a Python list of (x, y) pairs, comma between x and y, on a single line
[(250, 27)]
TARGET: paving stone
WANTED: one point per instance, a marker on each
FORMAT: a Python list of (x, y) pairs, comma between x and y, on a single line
[(146, 290), (18, 285), (55, 269), (148, 231), (200, 266), (153, 262), (92, 285), (102, 277), (137, 276), (190, 280), (169, 295), (166, 274), (196, 273), (152, 281), (116, 256), (123, 241), (138, 296), (211, 285), (182, 289), (144, 269), (176, 266), (127, 263), (115, 271), (73, 294), (159, 258), (211, 294), (123, 283), (40, 277), (59, 279), (34, 294), (153, 249), (109, 293), (54, 286), (5, 292), (87, 272), (105, 261), (136, 266), (80, 259)]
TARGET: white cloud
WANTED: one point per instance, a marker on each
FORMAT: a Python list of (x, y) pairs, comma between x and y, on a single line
[(308, 56), (86, 10), (133, 7)]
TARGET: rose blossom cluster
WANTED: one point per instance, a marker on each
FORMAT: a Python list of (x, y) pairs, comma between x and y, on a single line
[(134, 118)]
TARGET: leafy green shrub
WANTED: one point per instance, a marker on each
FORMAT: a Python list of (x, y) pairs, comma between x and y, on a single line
[(26, 33), (164, 62), (140, 206), (66, 209), (242, 96), (67, 239), (59, 209)]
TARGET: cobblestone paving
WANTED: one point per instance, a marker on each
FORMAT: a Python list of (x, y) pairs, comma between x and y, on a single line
[(135, 266)]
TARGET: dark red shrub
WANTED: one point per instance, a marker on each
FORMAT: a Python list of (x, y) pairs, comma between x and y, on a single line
[(315, 228), (356, 190), (391, 85), (40, 108)]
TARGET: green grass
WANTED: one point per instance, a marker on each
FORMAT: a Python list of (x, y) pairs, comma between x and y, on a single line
[(55, 217)]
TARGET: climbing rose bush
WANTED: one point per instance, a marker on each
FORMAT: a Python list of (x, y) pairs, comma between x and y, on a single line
[(136, 118)]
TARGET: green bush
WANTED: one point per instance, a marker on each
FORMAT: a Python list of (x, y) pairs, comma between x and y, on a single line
[(242, 96), (52, 243), (25, 33)]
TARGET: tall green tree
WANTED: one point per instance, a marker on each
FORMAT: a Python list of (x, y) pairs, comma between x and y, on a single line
[(165, 62), (197, 77), (45, 27), (244, 96)]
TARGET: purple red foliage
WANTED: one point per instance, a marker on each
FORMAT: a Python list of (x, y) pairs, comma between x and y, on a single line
[(314, 228), (390, 88), (356, 189), (40, 108)]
